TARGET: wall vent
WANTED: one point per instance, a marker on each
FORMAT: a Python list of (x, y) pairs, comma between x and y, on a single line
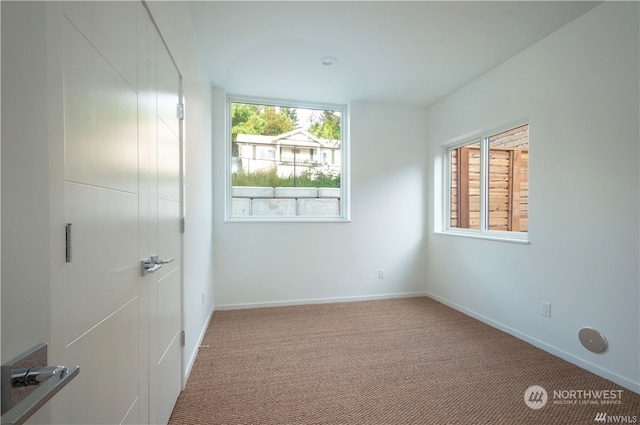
[(592, 340)]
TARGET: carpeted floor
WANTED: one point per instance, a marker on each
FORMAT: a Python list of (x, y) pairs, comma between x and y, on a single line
[(398, 361)]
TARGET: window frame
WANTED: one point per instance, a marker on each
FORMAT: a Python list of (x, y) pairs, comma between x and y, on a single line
[(345, 181), (444, 226)]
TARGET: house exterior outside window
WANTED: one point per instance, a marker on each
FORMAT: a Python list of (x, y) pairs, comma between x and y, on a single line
[(294, 152)]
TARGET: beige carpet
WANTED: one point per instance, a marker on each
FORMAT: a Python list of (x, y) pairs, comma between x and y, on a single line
[(400, 361)]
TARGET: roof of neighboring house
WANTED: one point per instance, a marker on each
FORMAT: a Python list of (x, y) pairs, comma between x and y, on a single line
[(297, 137)]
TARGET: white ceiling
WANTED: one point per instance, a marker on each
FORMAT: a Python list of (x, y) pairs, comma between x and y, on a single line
[(408, 53)]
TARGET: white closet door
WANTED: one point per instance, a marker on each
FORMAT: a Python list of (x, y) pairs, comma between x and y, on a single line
[(102, 197), (166, 304)]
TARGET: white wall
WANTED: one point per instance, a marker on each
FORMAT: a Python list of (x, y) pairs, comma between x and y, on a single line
[(261, 264), (26, 293), (174, 22), (579, 90), (25, 173), (0, 197)]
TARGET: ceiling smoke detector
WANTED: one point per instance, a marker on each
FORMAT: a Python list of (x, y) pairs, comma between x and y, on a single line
[(328, 61)]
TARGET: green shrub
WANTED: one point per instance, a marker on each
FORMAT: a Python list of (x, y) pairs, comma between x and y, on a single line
[(271, 179)]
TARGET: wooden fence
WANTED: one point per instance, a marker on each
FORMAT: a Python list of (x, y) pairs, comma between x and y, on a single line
[(508, 195)]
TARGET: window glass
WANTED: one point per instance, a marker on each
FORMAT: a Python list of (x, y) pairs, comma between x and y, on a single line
[(488, 183), (465, 186), (509, 180), (287, 161)]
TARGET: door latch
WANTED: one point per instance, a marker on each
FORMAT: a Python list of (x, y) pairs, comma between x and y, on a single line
[(153, 264), (148, 266), (156, 260)]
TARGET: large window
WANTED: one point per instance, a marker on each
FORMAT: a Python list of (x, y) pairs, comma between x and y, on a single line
[(287, 161), (487, 185)]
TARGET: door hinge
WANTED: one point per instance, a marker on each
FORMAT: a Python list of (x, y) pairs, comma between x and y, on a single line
[(182, 225), (182, 339), (180, 111), (67, 242)]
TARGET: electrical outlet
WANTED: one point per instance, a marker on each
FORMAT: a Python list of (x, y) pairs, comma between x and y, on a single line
[(202, 298), (546, 309), (380, 273)]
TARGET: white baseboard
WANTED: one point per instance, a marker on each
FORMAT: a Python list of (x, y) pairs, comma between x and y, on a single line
[(192, 358), (319, 301), (620, 380)]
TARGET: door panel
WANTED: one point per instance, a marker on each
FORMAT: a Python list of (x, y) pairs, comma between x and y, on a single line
[(166, 379), (169, 236), (168, 89), (168, 159), (106, 390), (168, 309), (101, 120), (101, 303), (96, 18), (103, 274), (167, 388)]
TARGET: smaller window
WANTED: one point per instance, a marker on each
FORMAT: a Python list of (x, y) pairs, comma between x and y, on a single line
[(487, 185)]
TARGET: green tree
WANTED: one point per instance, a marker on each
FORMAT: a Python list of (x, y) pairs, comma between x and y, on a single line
[(292, 113), (276, 122), (259, 119), (244, 119), (241, 113), (327, 126)]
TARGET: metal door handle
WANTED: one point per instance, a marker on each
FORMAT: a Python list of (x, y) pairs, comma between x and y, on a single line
[(27, 384), (27, 376), (156, 260), (149, 266)]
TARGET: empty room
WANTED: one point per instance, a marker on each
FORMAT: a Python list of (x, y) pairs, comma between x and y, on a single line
[(320, 212)]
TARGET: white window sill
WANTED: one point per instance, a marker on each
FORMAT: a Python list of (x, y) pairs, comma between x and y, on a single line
[(295, 219), (513, 237)]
